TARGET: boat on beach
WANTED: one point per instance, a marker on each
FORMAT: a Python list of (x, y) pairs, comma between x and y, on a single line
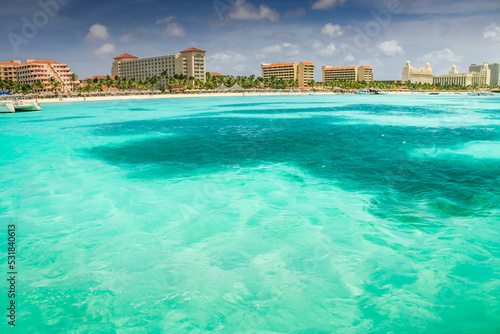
[(479, 91), (26, 106), (434, 91), (6, 107)]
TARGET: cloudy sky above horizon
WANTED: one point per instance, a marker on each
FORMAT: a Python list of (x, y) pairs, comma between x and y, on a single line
[(239, 35)]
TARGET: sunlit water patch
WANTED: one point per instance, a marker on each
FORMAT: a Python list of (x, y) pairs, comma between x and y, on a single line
[(295, 214)]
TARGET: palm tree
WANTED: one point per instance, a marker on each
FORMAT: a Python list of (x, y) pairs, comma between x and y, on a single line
[(52, 83), (164, 74), (110, 82), (74, 78), (174, 81), (154, 81), (39, 85), (26, 88), (57, 85)]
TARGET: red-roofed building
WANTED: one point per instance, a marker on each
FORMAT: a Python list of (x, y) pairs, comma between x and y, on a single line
[(303, 71), (8, 70), (193, 50), (126, 55), (215, 74), (190, 62), (33, 70), (98, 77), (349, 73)]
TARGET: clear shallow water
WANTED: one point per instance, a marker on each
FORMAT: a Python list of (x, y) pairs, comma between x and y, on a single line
[(336, 214)]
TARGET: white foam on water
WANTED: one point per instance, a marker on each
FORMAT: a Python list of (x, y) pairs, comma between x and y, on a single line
[(471, 150)]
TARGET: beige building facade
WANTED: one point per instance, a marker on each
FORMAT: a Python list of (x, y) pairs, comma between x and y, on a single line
[(190, 62), (33, 70), (349, 73), (303, 71), (422, 75), (464, 79), (494, 72)]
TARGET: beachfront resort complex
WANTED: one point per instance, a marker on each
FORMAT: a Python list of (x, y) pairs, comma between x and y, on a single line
[(494, 72), (190, 62), (486, 74), (349, 73), (32, 71), (303, 71)]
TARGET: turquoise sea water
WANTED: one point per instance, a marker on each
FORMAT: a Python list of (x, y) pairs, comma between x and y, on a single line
[(287, 214)]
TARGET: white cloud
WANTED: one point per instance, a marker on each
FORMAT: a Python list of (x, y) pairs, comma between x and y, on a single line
[(220, 62), (294, 13), (172, 29), (97, 33), (226, 57), (441, 60), (317, 44), (329, 50), (332, 30), (165, 20), (105, 50), (449, 7), (243, 10), (128, 38), (492, 32), (326, 4), (286, 49), (349, 58), (390, 48), (323, 50), (441, 55)]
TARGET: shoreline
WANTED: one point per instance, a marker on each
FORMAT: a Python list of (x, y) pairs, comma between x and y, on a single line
[(201, 95)]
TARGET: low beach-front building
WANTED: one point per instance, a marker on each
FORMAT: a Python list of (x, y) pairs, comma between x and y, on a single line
[(303, 71), (464, 79), (33, 70), (494, 73), (421, 75), (97, 77), (8, 70), (190, 62), (216, 74), (349, 73)]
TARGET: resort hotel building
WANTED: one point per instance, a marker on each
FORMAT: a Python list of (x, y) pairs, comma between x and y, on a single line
[(190, 62), (349, 73), (464, 79), (33, 70), (478, 74), (494, 74), (422, 75), (303, 71)]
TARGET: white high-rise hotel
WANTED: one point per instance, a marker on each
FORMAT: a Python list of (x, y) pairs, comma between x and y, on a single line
[(190, 62), (418, 75), (478, 75)]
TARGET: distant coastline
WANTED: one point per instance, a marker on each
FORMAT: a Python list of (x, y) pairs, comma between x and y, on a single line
[(200, 95)]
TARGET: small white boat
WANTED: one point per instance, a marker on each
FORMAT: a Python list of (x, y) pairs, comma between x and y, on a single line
[(26, 106), (364, 92), (480, 93), (6, 107)]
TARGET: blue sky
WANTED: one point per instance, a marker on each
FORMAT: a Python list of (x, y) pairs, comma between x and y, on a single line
[(239, 35)]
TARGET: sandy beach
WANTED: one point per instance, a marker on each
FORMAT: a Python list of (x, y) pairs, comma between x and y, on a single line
[(175, 96)]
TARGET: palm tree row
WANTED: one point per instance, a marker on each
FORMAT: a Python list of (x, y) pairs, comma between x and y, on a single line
[(37, 86), (422, 86), (179, 82)]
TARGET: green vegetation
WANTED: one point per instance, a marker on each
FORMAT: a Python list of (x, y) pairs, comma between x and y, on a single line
[(181, 82), (420, 86)]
